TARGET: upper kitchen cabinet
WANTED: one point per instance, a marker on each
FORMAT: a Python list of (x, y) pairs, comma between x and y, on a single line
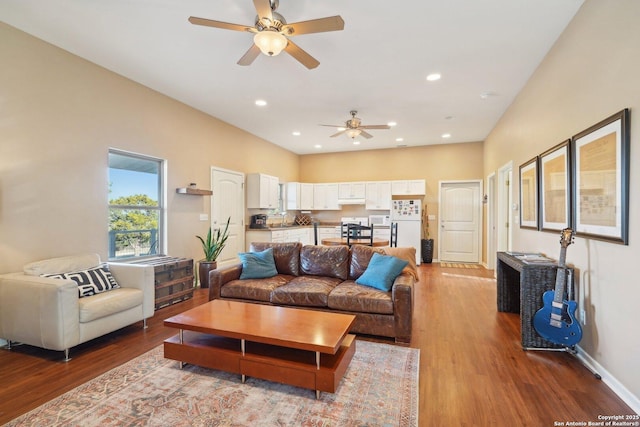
[(351, 190), (263, 191), (325, 197), (299, 196), (415, 187), (378, 195)]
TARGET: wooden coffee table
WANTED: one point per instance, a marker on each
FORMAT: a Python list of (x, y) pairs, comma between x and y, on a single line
[(303, 348)]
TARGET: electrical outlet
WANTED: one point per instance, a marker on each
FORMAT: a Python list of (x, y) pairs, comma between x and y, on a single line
[(204, 217), (583, 317)]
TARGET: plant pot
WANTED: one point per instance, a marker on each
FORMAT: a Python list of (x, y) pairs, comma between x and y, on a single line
[(203, 272), (427, 250)]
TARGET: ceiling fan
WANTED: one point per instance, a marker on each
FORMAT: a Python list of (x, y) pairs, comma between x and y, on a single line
[(353, 128), (272, 32)]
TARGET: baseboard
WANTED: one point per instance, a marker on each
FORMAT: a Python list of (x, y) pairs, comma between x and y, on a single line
[(616, 386)]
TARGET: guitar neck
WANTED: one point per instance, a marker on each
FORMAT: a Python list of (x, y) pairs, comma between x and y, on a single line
[(558, 295)]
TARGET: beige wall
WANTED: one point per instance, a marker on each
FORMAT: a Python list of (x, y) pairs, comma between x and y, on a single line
[(59, 115), (590, 74), (433, 163)]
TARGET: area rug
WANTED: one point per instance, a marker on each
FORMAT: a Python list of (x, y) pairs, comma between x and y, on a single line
[(458, 265), (380, 388)]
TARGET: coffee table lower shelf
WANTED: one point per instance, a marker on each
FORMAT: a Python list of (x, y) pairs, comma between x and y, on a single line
[(269, 362)]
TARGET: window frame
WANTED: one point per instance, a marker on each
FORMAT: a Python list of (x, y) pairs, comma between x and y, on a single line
[(161, 208)]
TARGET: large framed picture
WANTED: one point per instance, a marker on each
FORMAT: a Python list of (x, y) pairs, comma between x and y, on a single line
[(601, 180), (555, 185), (529, 194)]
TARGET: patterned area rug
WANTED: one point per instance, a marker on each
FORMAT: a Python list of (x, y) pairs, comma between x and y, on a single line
[(380, 388), (458, 265)]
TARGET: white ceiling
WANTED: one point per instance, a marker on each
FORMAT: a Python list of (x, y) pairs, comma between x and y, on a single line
[(377, 65)]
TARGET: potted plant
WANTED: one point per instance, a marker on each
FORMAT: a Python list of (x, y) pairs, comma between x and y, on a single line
[(426, 243), (212, 245)]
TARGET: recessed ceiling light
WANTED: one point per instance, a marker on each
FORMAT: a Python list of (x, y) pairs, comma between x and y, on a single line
[(261, 102), (392, 124), (295, 133), (433, 77), (317, 146), (356, 142), (446, 135), (399, 139), (340, 129)]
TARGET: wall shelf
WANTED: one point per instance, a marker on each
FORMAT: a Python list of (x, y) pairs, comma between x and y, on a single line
[(194, 191)]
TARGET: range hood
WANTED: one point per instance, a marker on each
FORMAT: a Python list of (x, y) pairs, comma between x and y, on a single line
[(351, 201)]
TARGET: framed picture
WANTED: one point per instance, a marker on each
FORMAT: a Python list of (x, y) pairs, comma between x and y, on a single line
[(555, 185), (601, 180), (529, 194)]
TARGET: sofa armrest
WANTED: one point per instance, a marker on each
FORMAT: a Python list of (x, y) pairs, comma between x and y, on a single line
[(137, 276), (402, 295), (39, 311), (218, 277)]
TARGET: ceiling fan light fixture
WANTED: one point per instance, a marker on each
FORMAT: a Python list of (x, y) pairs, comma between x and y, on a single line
[(270, 42), (352, 133)]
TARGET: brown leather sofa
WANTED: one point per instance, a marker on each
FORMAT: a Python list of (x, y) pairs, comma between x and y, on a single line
[(323, 278)]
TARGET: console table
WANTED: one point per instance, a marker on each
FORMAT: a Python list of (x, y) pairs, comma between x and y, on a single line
[(520, 288)]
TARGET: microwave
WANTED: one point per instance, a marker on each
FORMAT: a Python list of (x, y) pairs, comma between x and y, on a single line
[(379, 220)]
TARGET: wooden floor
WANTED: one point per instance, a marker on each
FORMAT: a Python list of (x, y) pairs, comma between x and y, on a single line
[(473, 371)]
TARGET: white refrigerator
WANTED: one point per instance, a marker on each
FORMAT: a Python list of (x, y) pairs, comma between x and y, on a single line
[(408, 215)]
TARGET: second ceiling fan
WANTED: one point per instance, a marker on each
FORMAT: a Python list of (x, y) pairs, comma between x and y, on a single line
[(354, 127), (272, 32)]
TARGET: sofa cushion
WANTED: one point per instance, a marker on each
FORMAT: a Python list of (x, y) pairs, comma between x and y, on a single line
[(90, 282), (382, 271), (309, 291), (285, 255), (257, 265), (349, 296), (360, 257), (108, 303), (62, 264), (254, 289), (328, 261)]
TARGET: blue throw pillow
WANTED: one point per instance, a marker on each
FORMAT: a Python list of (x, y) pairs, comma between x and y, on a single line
[(258, 265), (381, 272)]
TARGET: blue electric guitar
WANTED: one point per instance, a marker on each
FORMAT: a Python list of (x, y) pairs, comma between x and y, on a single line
[(556, 321)]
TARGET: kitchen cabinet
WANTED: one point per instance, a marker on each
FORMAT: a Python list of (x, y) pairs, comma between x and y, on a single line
[(351, 190), (378, 195), (303, 235), (325, 197), (414, 187), (263, 191), (299, 196)]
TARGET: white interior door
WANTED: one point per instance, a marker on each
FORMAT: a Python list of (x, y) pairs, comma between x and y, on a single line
[(491, 221), (460, 221), (228, 202)]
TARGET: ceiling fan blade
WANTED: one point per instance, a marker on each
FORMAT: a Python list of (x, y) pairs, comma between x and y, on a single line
[(331, 23), (375, 127), (250, 55), (219, 24), (333, 126), (365, 134), (338, 134), (263, 7), (301, 56)]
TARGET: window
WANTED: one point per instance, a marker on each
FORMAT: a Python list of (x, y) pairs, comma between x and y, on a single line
[(136, 207)]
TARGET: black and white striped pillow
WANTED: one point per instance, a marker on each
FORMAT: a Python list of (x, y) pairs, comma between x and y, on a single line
[(90, 282)]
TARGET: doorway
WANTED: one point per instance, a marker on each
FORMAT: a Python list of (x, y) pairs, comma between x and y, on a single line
[(460, 221), (504, 203), (228, 202)]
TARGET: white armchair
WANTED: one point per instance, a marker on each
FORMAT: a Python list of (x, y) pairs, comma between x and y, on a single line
[(48, 313)]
